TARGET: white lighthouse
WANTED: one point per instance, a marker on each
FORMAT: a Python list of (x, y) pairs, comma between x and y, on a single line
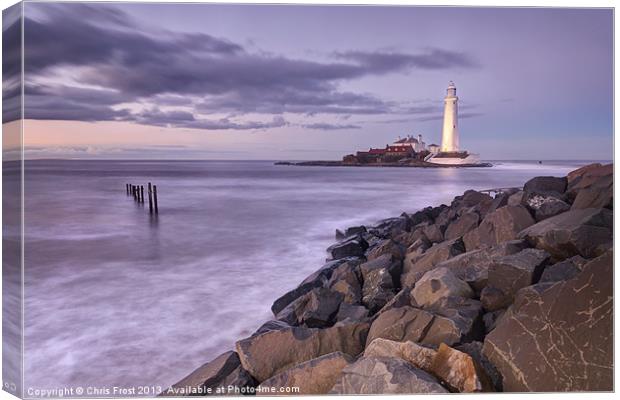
[(450, 130), (451, 153)]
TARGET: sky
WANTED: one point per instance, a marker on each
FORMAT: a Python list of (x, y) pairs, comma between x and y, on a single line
[(207, 81)]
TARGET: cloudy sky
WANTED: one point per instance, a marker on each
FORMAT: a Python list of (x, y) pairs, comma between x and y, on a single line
[(307, 82)]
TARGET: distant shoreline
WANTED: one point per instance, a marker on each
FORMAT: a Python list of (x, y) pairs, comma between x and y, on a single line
[(410, 164)]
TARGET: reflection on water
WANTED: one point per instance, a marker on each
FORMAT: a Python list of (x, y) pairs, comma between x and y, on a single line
[(115, 296)]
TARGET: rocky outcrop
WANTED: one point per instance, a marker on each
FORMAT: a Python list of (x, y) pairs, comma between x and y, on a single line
[(576, 232), (383, 375), (559, 339), (508, 293), (271, 352), (316, 376)]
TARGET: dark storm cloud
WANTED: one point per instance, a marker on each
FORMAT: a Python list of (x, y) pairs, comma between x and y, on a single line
[(381, 61), (185, 119), (100, 46)]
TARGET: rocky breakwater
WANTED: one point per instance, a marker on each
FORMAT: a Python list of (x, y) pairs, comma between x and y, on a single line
[(511, 293)]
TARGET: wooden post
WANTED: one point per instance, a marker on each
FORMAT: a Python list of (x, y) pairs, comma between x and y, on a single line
[(141, 193), (155, 198), (134, 191), (150, 190), (127, 187)]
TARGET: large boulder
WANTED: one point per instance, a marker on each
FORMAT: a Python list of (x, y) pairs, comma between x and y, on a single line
[(316, 279), (463, 224), (415, 267), (386, 246), (575, 232), (382, 375), (353, 247), (511, 273), (265, 354), (460, 371), (316, 376), (450, 322), (223, 371), (437, 284), (591, 187), (473, 266), (457, 320), (346, 280), (381, 278), (415, 354), (315, 309), (499, 226), (559, 339), (401, 324), (596, 183), (545, 186)]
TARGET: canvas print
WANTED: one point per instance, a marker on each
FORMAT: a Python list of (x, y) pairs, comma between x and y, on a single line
[(245, 199)]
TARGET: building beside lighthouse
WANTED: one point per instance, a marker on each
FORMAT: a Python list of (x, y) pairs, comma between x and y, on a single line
[(450, 152)]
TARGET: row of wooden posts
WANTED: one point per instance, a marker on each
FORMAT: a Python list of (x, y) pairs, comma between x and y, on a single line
[(138, 195)]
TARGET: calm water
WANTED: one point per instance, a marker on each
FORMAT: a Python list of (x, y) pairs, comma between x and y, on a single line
[(114, 297)]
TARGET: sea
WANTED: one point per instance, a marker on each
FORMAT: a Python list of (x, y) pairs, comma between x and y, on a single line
[(117, 297)]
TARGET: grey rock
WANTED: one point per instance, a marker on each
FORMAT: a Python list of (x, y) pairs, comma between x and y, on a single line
[(354, 247), (417, 266), (317, 279), (383, 375), (437, 284), (499, 226), (462, 225), (387, 246), (575, 232), (547, 207), (513, 272), (313, 377), (271, 352), (315, 309), (564, 270), (381, 280)]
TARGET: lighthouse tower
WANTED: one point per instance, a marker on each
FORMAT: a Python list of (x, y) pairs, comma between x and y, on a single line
[(450, 131)]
